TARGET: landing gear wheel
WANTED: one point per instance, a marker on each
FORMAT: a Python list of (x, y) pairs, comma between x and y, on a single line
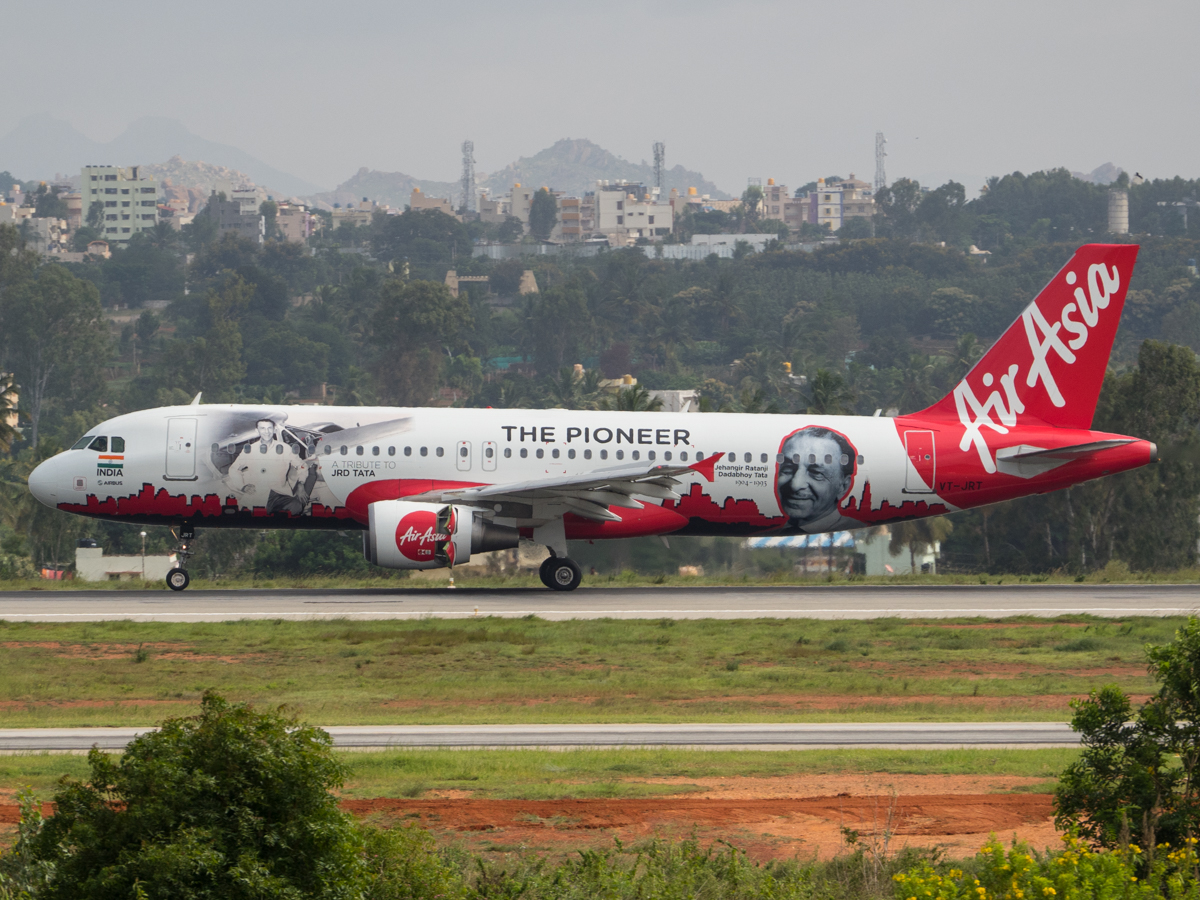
[(562, 574), (177, 579), (544, 571)]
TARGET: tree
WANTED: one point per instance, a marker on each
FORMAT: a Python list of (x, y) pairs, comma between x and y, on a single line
[(8, 411), (543, 214), (632, 399), (414, 322), (918, 536), (1138, 777), (855, 228), (55, 339), (828, 394), (269, 210), (229, 803)]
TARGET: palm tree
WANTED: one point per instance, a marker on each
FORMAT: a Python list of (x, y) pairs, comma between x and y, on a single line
[(919, 535), (633, 399), (828, 394), (8, 412)]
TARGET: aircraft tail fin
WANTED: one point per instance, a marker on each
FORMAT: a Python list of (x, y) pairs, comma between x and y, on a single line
[(1050, 363)]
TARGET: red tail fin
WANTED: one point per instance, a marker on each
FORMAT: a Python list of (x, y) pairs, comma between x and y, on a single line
[(1050, 363)]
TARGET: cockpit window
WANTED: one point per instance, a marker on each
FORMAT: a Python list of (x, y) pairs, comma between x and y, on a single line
[(100, 443), (83, 442), (118, 445)]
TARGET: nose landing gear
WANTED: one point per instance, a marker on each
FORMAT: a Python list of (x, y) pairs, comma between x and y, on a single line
[(178, 578)]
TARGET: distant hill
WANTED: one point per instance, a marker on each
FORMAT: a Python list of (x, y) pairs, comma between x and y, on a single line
[(573, 166), (42, 146), (1105, 174)]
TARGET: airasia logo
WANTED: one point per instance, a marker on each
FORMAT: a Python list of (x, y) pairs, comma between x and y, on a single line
[(417, 536)]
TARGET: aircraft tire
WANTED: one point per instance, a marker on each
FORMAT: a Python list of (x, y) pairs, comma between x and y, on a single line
[(563, 574), (178, 579), (544, 571)]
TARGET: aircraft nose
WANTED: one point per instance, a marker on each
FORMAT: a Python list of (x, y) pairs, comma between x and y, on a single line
[(43, 483)]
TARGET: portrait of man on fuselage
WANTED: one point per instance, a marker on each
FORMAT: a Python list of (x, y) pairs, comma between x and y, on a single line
[(815, 473)]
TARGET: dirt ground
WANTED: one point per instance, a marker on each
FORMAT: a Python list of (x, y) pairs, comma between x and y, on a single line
[(770, 818)]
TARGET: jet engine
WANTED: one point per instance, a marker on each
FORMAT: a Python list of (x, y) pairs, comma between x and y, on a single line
[(406, 535)]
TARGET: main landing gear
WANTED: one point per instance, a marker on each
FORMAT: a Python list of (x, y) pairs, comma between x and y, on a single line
[(560, 574), (178, 578)]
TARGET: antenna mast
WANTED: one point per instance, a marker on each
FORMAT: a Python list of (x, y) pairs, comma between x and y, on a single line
[(880, 155), (660, 156), (468, 176)]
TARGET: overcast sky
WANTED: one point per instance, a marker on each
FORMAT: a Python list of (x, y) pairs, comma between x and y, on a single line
[(736, 89)]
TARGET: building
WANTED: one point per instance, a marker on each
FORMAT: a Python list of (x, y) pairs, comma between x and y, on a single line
[(354, 216), (421, 201), (296, 223), (236, 217), (130, 202), (830, 205), (493, 212), (92, 565), (629, 210)]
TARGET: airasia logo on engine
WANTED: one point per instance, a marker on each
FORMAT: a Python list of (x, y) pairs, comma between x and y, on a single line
[(417, 536)]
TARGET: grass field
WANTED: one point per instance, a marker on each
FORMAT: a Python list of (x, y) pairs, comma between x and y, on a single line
[(554, 774), (531, 670)]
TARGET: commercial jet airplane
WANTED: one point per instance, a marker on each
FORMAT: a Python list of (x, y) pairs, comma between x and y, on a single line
[(430, 487)]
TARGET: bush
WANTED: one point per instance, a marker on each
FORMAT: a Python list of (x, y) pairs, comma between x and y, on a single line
[(231, 803), (1076, 873)]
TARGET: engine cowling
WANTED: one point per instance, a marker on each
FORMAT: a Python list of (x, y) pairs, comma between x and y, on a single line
[(406, 535)]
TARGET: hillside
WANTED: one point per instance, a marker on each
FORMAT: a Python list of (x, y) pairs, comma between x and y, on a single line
[(569, 165)]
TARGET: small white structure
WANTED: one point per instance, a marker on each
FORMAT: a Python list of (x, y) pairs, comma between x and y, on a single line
[(881, 561), (92, 565)]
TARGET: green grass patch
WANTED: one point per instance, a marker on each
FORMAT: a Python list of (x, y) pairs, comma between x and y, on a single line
[(555, 774), (602, 670)]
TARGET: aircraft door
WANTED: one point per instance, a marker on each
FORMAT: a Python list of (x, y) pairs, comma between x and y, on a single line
[(919, 476), (181, 450), (462, 456), (489, 456)]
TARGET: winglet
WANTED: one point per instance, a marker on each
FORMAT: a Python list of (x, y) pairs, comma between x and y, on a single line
[(196, 400), (705, 466)]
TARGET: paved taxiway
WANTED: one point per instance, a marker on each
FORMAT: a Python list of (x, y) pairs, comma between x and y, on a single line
[(816, 602), (703, 736)]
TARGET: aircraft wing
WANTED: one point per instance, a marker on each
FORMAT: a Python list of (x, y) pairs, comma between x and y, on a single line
[(589, 494), (365, 434)]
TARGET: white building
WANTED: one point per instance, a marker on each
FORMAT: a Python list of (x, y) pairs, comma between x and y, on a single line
[(631, 211), (832, 204), (92, 565), (130, 202)]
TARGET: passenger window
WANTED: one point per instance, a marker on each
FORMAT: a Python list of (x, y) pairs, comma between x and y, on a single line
[(295, 449), (733, 457), (540, 452), (508, 452), (246, 449), (118, 445), (441, 452), (667, 455), (636, 455), (860, 459), (463, 452), (554, 453), (604, 454), (749, 457), (391, 451), (359, 450), (650, 455), (683, 455), (570, 454), (279, 449), (488, 452), (345, 449), (408, 451), (620, 454), (524, 453), (424, 451), (763, 458), (328, 449), (100, 444), (374, 451), (587, 454), (83, 442)]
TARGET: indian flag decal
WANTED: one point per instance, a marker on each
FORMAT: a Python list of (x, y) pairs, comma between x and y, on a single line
[(111, 461)]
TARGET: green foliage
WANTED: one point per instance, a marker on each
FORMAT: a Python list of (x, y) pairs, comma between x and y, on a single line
[(414, 321), (310, 553), (1138, 778), (1073, 873), (543, 214), (230, 803)]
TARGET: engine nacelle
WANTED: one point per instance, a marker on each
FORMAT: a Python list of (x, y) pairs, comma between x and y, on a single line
[(406, 535)]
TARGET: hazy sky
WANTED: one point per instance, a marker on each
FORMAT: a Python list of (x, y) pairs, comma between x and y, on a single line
[(753, 88)]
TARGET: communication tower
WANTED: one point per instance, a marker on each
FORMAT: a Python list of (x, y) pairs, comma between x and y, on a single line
[(468, 176), (660, 158), (880, 156)]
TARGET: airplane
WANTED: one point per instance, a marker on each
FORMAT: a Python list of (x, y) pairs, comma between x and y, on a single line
[(429, 487)]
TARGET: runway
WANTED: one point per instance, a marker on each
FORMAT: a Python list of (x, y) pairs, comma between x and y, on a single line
[(707, 737), (813, 602)]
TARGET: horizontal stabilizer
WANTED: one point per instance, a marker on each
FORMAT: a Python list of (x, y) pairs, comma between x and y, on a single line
[(1076, 451), (1025, 461)]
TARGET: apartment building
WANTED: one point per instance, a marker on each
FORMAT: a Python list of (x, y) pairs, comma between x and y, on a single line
[(130, 202), (631, 210), (832, 204), (354, 215), (296, 223), (234, 216), (419, 200)]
